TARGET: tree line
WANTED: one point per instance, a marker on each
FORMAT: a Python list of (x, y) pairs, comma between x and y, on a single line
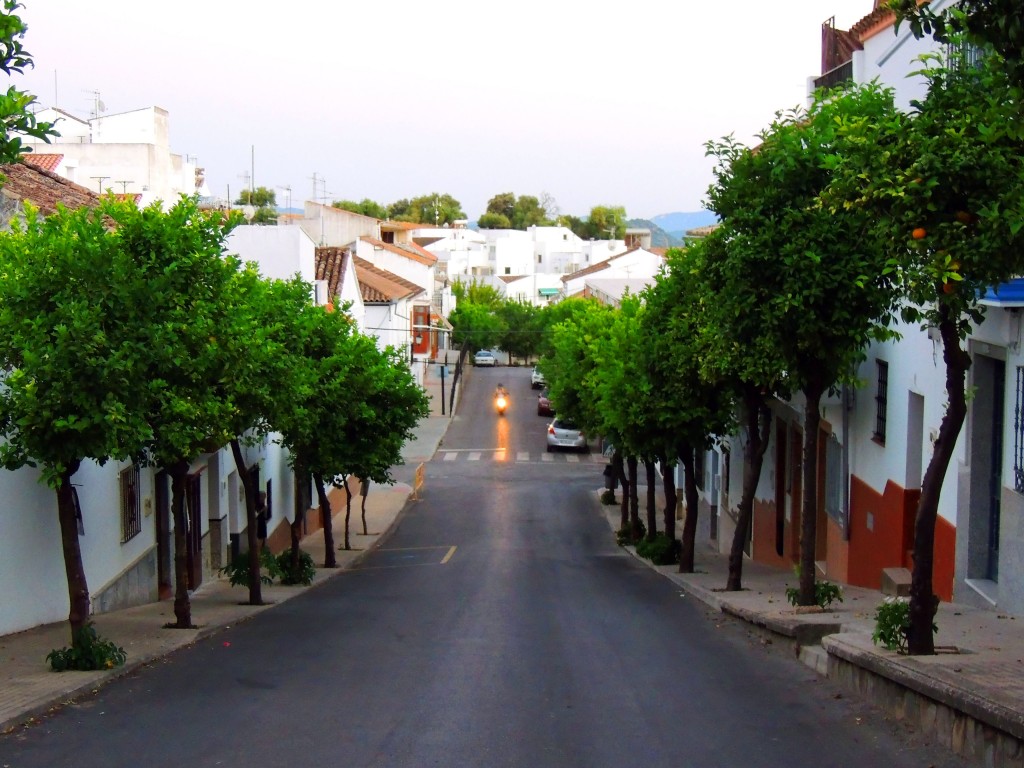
[(849, 223), (129, 334)]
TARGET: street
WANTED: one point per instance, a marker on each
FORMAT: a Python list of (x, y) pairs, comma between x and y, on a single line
[(499, 625)]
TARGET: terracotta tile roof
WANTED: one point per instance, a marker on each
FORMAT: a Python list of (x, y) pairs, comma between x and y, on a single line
[(408, 250), (401, 226), (43, 189), (48, 162), (330, 266), (510, 278), (879, 19), (378, 286)]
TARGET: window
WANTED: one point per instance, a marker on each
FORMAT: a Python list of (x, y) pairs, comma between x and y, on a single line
[(388, 237), (1018, 433), (881, 400), (539, 258), (508, 270), (131, 512)]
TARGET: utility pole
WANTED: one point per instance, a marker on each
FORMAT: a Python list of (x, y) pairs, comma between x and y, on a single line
[(99, 182)]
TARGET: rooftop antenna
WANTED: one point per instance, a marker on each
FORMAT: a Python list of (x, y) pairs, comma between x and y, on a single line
[(287, 188), (99, 182), (124, 184), (98, 107)]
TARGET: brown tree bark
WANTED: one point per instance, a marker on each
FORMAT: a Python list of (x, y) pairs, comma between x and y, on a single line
[(923, 602), (809, 506), (299, 516), (686, 553), (348, 510), (182, 603), (619, 469), (74, 569), (251, 533), (330, 558), (634, 502), (364, 491), (758, 418), (668, 484), (652, 499)]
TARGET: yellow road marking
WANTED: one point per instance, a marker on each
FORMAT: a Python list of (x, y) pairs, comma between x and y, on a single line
[(448, 557)]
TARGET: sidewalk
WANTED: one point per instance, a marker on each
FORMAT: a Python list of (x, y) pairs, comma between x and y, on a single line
[(969, 697), (29, 689)]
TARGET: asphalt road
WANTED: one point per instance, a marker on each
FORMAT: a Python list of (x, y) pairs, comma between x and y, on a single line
[(498, 626)]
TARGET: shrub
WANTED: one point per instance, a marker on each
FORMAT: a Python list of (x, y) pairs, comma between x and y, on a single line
[(626, 536), (825, 592), (661, 550), (303, 573), (237, 570), (892, 620), (88, 652), (608, 497)]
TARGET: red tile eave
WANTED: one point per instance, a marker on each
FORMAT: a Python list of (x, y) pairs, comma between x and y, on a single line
[(330, 266), (44, 189), (879, 20), (46, 161), (380, 286)]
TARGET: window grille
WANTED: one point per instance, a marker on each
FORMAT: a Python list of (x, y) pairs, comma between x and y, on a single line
[(834, 481), (881, 401), (131, 509)]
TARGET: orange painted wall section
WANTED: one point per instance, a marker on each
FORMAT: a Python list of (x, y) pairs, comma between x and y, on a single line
[(837, 563), (945, 559), (763, 548), (877, 532)]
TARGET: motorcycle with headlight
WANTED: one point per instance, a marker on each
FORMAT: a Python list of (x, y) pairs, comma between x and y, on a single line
[(500, 400)]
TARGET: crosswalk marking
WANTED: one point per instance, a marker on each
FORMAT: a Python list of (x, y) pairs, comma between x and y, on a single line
[(522, 457)]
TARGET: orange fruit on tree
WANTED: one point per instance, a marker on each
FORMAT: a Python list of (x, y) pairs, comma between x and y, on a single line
[(919, 233), (948, 287), (964, 217)]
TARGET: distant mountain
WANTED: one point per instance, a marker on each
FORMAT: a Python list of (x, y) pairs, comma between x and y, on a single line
[(676, 224), (659, 237)]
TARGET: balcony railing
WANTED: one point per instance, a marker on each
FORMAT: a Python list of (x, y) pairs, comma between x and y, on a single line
[(836, 76)]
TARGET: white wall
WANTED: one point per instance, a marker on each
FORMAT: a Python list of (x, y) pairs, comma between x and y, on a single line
[(280, 252)]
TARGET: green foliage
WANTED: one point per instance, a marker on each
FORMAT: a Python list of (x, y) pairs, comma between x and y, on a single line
[(364, 207), (261, 197), (825, 592), (493, 221), (506, 211), (88, 652), (661, 550), (630, 535), (476, 326), (237, 570), (302, 574), (16, 116), (892, 620), (995, 24), (608, 497), (522, 322)]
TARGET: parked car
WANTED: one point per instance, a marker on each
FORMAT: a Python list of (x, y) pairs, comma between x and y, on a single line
[(537, 379), (562, 433), (544, 407), (485, 357)]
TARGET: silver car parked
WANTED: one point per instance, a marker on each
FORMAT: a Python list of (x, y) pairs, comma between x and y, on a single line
[(562, 433)]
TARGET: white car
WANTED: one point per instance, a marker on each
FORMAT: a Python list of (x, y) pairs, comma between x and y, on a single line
[(485, 357), (537, 380)]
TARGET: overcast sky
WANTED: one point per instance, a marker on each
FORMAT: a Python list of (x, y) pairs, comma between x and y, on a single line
[(593, 103)]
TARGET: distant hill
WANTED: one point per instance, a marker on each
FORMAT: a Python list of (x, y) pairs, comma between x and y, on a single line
[(659, 237), (676, 224)]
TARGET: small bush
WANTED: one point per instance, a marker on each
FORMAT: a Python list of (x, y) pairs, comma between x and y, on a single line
[(825, 592), (88, 652), (608, 498), (892, 622), (626, 536), (661, 550), (303, 573), (237, 570)]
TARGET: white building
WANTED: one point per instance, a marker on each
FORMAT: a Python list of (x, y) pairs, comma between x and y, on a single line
[(127, 153)]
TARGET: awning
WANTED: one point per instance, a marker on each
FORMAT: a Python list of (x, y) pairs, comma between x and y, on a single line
[(549, 291)]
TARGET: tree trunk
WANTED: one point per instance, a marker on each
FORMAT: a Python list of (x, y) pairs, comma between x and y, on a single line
[(299, 516), (364, 491), (809, 505), (758, 421), (330, 559), (923, 601), (634, 502), (74, 569), (348, 510), (251, 528), (652, 499), (182, 603), (686, 553), (617, 467), (671, 498)]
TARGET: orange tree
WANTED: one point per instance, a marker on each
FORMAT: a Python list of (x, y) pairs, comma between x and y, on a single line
[(71, 349), (948, 197), (691, 411), (809, 284)]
